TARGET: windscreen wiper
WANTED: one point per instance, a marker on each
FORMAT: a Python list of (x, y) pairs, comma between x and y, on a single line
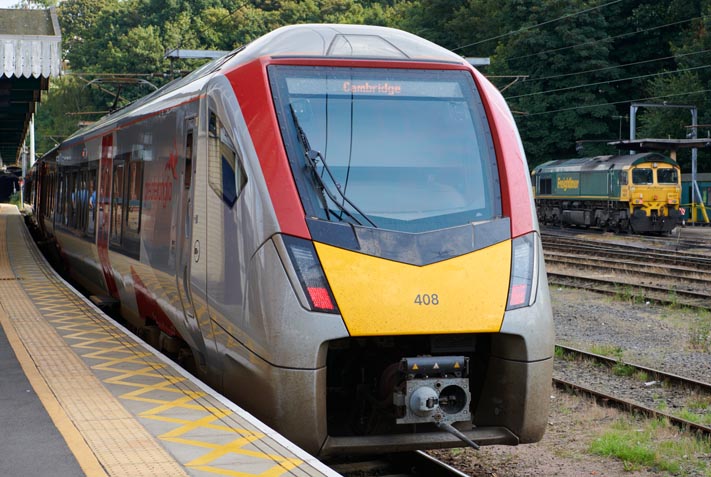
[(312, 157)]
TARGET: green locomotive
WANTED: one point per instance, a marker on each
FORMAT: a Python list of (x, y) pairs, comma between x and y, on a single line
[(638, 193)]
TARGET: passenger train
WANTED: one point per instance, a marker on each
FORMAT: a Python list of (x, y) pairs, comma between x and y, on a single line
[(637, 193), (337, 222)]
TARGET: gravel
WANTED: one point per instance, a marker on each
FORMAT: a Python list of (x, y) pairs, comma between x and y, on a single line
[(655, 336), (669, 339)]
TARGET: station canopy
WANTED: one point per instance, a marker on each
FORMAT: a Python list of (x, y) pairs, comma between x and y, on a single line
[(30, 54)]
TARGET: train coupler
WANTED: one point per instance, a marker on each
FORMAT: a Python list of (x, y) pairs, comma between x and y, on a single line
[(433, 389)]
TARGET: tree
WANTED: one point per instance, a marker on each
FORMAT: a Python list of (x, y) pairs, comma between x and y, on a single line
[(559, 58)]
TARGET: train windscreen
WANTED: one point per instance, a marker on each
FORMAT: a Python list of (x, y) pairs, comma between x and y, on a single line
[(399, 149)]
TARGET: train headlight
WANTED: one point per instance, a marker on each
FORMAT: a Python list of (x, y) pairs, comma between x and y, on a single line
[(310, 274), (522, 268)]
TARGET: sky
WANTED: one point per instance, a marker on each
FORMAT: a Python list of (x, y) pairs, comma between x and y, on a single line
[(8, 3)]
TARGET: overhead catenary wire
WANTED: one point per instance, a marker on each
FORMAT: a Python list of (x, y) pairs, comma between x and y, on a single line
[(609, 38), (520, 30), (599, 83), (613, 103), (624, 65)]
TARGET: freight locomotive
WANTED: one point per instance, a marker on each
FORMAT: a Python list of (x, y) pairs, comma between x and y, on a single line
[(337, 222), (639, 193)]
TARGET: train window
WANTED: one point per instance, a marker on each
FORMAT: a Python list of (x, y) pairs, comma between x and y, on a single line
[(623, 177), (225, 171), (72, 199), (642, 176), (545, 185), (81, 201), (374, 130), (667, 176), (135, 179), (117, 204), (91, 220), (61, 201)]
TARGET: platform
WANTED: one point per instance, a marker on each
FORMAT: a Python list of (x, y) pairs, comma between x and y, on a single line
[(91, 399)]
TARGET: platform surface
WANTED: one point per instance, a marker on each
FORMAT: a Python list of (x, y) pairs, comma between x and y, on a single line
[(79, 395)]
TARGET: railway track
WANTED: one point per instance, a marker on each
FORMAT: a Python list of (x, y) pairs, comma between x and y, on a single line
[(671, 390), (659, 275), (406, 464)]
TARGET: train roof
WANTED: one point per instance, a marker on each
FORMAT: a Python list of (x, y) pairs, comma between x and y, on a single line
[(602, 163), (324, 41), (348, 41)]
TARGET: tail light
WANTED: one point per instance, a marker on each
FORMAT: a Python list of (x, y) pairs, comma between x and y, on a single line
[(310, 274), (522, 270)]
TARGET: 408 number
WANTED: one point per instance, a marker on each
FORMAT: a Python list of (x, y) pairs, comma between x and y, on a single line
[(427, 299)]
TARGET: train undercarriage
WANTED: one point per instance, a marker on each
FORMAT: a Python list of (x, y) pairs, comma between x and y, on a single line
[(613, 216)]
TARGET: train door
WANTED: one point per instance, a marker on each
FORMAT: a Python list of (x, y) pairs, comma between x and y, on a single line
[(187, 249), (104, 211)]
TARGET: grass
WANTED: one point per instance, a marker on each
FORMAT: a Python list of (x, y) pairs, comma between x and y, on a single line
[(700, 331), (698, 418), (653, 445), (628, 294), (15, 199), (622, 369), (606, 350)]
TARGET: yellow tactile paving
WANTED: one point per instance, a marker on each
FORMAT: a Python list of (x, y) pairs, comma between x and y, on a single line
[(155, 415)]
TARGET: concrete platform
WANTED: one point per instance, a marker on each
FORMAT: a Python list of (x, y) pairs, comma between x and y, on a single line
[(80, 395)]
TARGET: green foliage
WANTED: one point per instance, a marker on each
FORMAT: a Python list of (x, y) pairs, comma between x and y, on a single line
[(606, 350), (700, 331), (629, 294), (15, 199), (650, 445), (578, 66), (68, 101)]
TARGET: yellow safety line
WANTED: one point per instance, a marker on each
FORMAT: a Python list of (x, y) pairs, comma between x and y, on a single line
[(85, 457), (148, 381)]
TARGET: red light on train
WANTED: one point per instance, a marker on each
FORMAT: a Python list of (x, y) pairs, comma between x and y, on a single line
[(321, 298)]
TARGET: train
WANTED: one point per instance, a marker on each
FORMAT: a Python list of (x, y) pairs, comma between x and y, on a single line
[(335, 224), (637, 193)]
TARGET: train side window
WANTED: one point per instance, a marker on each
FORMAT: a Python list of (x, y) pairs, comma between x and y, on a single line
[(81, 199), (226, 174), (135, 180), (61, 201), (91, 221), (117, 204), (71, 199), (642, 176), (545, 185), (623, 177)]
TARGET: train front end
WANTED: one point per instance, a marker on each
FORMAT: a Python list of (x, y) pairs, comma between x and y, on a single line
[(654, 194), (418, 235)]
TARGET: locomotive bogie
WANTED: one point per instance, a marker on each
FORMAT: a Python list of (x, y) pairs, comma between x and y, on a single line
[(291, 215)]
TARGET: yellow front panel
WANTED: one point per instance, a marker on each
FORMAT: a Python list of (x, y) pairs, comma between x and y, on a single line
[(376, 296)]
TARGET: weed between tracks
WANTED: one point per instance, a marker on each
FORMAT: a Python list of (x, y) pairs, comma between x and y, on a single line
[(700, 331), (654, 444), (629, 294)]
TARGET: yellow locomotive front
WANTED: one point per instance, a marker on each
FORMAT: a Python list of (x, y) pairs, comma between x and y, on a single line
[(652, 191)]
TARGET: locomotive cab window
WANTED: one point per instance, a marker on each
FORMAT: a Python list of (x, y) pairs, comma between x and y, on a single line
[(667, 176), (226, 174), (642, 176), (404, 150), (545, 185)]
